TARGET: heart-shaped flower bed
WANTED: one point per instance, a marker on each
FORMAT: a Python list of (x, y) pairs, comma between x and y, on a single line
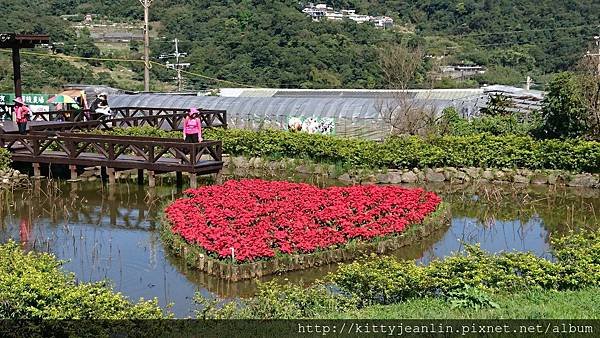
[(259, 219)]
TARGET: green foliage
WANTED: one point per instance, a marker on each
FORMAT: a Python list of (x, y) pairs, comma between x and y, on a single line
[(32, 286), (386, 280), (536, 304), (564, 111), (579, 255), (482, 150), (451, 123), (146, 131), (272, 43), (5, 159), (472, 281), (274, 301), (471, 298), (479, 150)]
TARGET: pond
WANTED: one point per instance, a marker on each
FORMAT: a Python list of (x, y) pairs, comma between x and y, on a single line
[(110, 233)]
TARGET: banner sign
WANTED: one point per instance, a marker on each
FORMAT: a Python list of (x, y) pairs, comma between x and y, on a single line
[(312, 125), (30, 99)]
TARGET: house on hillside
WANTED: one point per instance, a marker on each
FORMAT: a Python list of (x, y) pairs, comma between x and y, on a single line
[(117, 36), (460, 71), (319, 11)]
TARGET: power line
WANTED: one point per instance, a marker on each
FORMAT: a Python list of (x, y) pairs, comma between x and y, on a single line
[(67, 57)]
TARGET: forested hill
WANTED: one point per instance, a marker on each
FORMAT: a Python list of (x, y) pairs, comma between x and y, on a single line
[(272, 43)]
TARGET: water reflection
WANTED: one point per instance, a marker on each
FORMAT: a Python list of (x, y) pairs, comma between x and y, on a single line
[(110, 233)]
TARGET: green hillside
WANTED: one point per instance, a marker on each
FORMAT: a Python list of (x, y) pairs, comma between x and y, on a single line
[(272, 43)]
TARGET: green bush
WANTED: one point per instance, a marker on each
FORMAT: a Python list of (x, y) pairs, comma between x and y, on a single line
[(463, 280), (387, 281), (274, 301), (32, 286), (451, 123), (564, 110), (482, 150), (4, 159), (146, 131)]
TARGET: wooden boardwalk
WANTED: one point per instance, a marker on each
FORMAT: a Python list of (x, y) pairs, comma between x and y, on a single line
[(55, 142)]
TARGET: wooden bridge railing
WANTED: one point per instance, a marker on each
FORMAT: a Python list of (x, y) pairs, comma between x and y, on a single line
[(210, 118), (61, 115), (126, 152), (167, 122), (170, 119)]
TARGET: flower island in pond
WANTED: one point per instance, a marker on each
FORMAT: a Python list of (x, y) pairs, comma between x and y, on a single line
[(250, 228)]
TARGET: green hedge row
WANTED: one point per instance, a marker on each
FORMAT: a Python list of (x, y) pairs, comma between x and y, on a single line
[(483, 150), (409, 152), (33, 286)]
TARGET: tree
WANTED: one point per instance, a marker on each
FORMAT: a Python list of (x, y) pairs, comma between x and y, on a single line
[(589, 78), (564, 111), (400, 109)]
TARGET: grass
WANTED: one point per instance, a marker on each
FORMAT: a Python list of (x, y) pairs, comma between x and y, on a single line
[(582, 304)]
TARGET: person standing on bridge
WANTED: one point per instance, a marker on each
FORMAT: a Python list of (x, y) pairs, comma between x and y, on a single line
[(22, 115), (192, 127)]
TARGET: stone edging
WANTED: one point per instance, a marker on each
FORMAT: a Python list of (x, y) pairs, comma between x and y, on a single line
[(12, 177), (415, 175), (196, 258)]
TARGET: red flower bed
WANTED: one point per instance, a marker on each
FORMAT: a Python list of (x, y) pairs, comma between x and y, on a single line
[(260, 218)]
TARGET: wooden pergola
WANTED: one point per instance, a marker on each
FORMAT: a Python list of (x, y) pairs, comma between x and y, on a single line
[(16, 42)]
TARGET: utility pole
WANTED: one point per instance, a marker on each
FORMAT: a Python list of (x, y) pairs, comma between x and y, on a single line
[(146, 4), (528, 83), (177, 65)]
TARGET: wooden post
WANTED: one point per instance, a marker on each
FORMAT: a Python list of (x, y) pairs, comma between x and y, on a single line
[(73, 169), (219, 178), (37, 173), (179, 180), (193, 181), (111, 175), (140, 177), (37, 187), (151, 179), (16, 58)]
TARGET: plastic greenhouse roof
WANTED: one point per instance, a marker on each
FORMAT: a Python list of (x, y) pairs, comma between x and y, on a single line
[(334, 107)]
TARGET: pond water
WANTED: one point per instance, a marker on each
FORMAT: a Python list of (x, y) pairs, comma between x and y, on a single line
[(110, 233)]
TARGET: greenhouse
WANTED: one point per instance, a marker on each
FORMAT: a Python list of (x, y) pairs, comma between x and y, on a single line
[(350, 113)]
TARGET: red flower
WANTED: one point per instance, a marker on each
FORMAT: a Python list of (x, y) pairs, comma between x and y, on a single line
[(260, 218)]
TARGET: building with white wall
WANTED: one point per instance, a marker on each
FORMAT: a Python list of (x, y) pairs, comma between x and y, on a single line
[(322, 11)]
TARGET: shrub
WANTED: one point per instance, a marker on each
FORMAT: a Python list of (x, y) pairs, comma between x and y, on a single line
[(480, 150), (564, 111), (274, 301), (385, 280), (32, 286), (451, 123), (146, 131), (409, 152), (464, 280), (4, 159)]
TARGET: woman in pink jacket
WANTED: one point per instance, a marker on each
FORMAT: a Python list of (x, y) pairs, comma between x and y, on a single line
[(22, 113), (192, 127)]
